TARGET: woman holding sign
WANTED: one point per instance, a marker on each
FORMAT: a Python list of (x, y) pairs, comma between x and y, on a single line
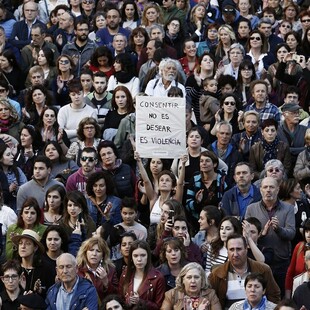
[(168, 187)]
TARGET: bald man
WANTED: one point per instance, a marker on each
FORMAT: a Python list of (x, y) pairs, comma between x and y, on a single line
[(71, 291), (278, 220)]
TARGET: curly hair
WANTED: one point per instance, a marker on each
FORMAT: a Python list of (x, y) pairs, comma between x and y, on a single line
[(88, 121), (13, 113), (179, 280)]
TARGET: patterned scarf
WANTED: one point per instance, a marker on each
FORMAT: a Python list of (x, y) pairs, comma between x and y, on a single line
[(270, 149)]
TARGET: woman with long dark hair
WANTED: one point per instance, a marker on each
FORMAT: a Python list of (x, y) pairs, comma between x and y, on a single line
[(54, 205), (138, 40), (28, 218), (130, 15), (11, 72), (76, 220), (124, 75), (37, 99), (61, 164), (140, 282), (46, 62), (102, 60), (173, 258), (55, 243), (28, 149), (49, 129), (122, 105), (14, 174)]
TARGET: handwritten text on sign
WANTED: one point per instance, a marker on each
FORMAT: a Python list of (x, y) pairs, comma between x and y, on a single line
[(160, 127)]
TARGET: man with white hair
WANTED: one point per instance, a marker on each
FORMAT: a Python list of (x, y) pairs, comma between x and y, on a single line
[(168, 72)]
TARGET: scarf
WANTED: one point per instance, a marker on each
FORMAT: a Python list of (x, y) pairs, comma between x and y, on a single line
[(123, 77), (261, 306), (4, 125), (270, 149)]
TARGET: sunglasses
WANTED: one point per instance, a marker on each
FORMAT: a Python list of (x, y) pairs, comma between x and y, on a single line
[(232, 103), (274, 170), (305, 21), (64, 62), (90, 159), (255, 38), (286, 26)]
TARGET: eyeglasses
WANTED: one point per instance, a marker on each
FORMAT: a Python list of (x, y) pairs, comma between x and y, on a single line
[(232, 103), (2, 90), (305, 21), (12, 277), (88, 2), (175, 25), (277, 170), (64, 62), (255, 38), (89, 127), (85, 158)]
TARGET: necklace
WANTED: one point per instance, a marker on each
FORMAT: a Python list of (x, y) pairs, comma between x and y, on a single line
[(72, 224), (28, 270)]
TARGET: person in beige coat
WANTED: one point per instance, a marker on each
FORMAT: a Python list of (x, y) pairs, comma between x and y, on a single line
[(192, 291)]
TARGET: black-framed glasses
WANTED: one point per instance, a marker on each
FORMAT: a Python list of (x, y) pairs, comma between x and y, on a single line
[(12, 277)]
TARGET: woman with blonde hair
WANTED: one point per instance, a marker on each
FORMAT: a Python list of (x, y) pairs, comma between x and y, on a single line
[(94, 264), (196, 26), (227, 37), (151, 15), (9, 119), (186, 294)]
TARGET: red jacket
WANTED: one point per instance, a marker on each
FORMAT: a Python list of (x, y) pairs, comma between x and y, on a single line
[(101, 291), (151, 291)]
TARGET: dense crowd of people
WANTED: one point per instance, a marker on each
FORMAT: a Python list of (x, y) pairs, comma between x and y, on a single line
[(88, 224)]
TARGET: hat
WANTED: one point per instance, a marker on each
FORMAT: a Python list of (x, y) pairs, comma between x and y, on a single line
[(30, 234), (33, 301), (290, 107)]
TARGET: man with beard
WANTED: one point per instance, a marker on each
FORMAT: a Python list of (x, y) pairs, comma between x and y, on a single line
[(81, 49), (78, 180), (100, 99), (160, 86), (105, 35)]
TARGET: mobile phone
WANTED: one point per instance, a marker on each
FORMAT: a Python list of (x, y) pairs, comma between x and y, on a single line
[(80, 217), (296, 58), (171, 216)]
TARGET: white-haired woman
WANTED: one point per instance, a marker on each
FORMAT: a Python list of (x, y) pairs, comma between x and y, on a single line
[(192, 291)]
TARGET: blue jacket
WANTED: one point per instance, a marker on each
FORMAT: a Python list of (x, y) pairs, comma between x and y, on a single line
[(230, 204), (84, 296), (20, 36)]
